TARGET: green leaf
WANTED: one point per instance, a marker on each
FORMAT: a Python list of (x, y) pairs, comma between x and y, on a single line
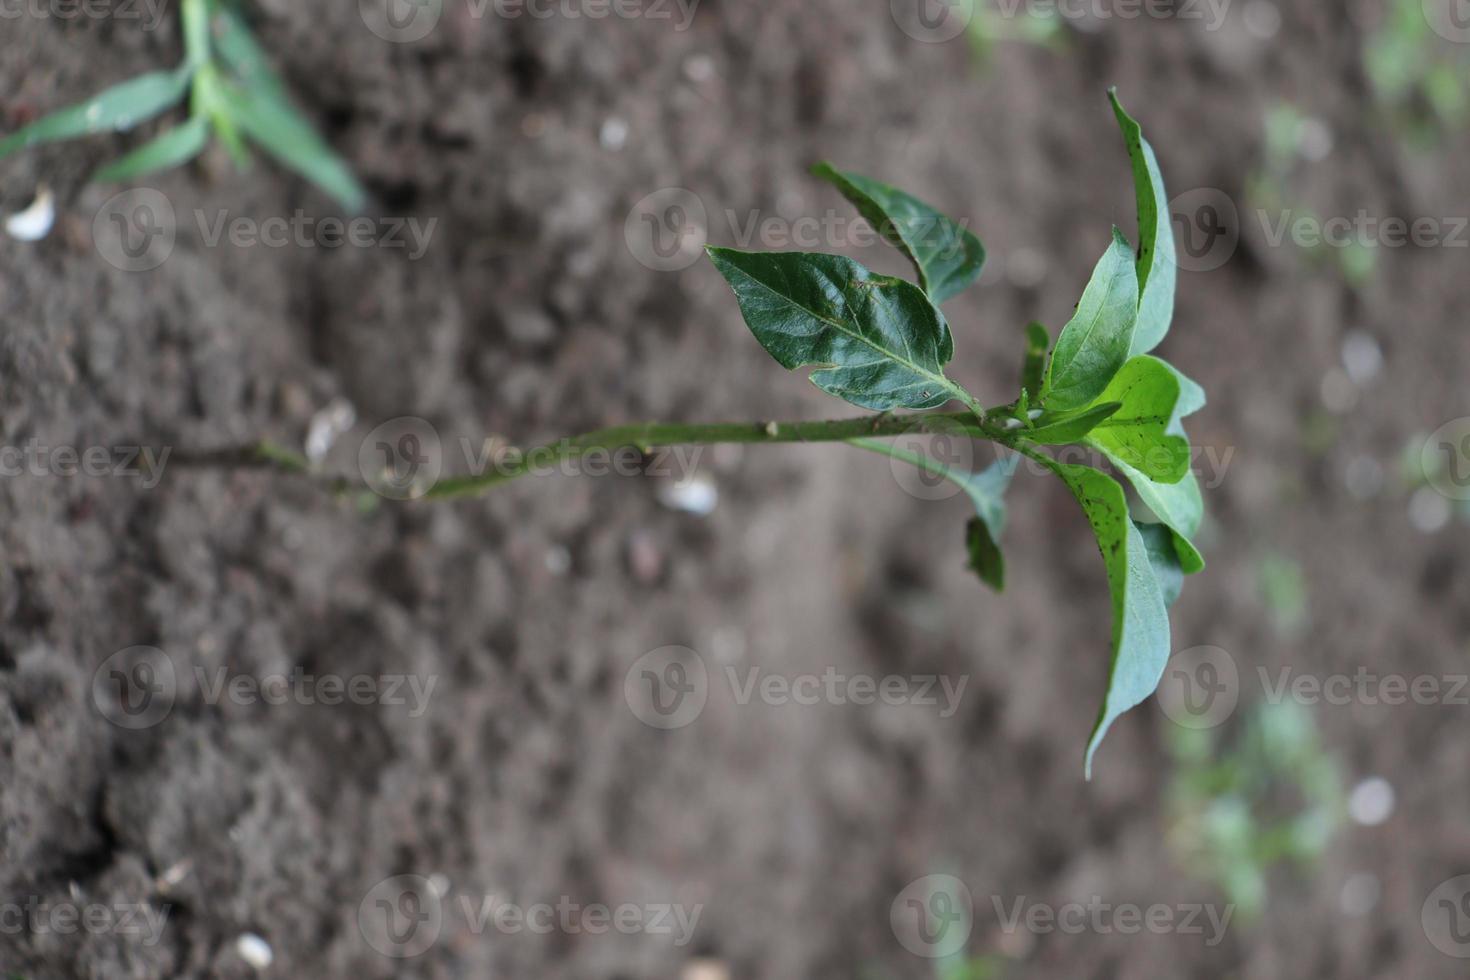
[(1094, 343), (1156, 256), (168, 149), (946, 257), (1178, 505), (265, 116), (1061, 428), (1159, 541), (1140, 615), (117, 109), (1191, 399), (1136, 434), (242, 54), (986, 491), (878, 342), (1034, 369)]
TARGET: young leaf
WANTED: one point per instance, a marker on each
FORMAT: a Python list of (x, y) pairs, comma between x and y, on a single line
[(265, 116), (1159, 541), (1140, 616), (1148, 391), (1156, 255), (1178, 505), (986, 491), (117, 109), (877, 341), (168, 149), (1094, 343), (240, 52), (946, 257), (1034, 369), (1061, 428)]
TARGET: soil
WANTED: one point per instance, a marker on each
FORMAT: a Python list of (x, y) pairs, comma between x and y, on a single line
[(528, 316)]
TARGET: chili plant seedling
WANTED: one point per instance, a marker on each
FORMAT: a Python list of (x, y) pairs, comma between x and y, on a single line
[(232, 92), (882, 343)]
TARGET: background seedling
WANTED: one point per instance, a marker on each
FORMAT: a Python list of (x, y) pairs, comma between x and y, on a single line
[(233, 94), (882, 343)]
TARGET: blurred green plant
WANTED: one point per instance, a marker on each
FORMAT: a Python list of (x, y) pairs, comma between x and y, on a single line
[(1238, 811), (990, 24), (1284, 589), (971, 968), (1418, 78), (233, 94)]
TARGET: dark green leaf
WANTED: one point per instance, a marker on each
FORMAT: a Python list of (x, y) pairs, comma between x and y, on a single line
[(168, 149), (877, 341), (1061, 428), (1161, 554), (946, 257), (266, 117), (1156, 256), (986, 491), (1094, 343), (1178, 505), (1034, 370), (1148, 391), (1140, 616), (117, 109)]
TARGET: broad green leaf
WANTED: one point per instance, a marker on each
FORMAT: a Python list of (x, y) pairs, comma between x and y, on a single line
[(877, 341), (117, 109), (1148, 391), (1034, 369), (1191, 399), (168, 149), (986, 491), (946, 257), (1140, 616), (1159, 541), (1156, 255), (1061, 428), (1094, 343), (1178, 505), (266, 117)]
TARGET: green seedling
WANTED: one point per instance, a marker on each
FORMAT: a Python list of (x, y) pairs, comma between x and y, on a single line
[(1417, 76), (233, 94), (882, 344), (1241, 809)]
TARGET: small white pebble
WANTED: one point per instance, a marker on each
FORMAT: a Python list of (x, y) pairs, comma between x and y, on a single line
[(614, 133), (1428, 511), (254, 950), (1262, 19), (1026, 267), (327, 426), (699, 68), (1371, 801), (439, 884), (705, 969), (695, 495), (1361, 356), (36, 221)]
